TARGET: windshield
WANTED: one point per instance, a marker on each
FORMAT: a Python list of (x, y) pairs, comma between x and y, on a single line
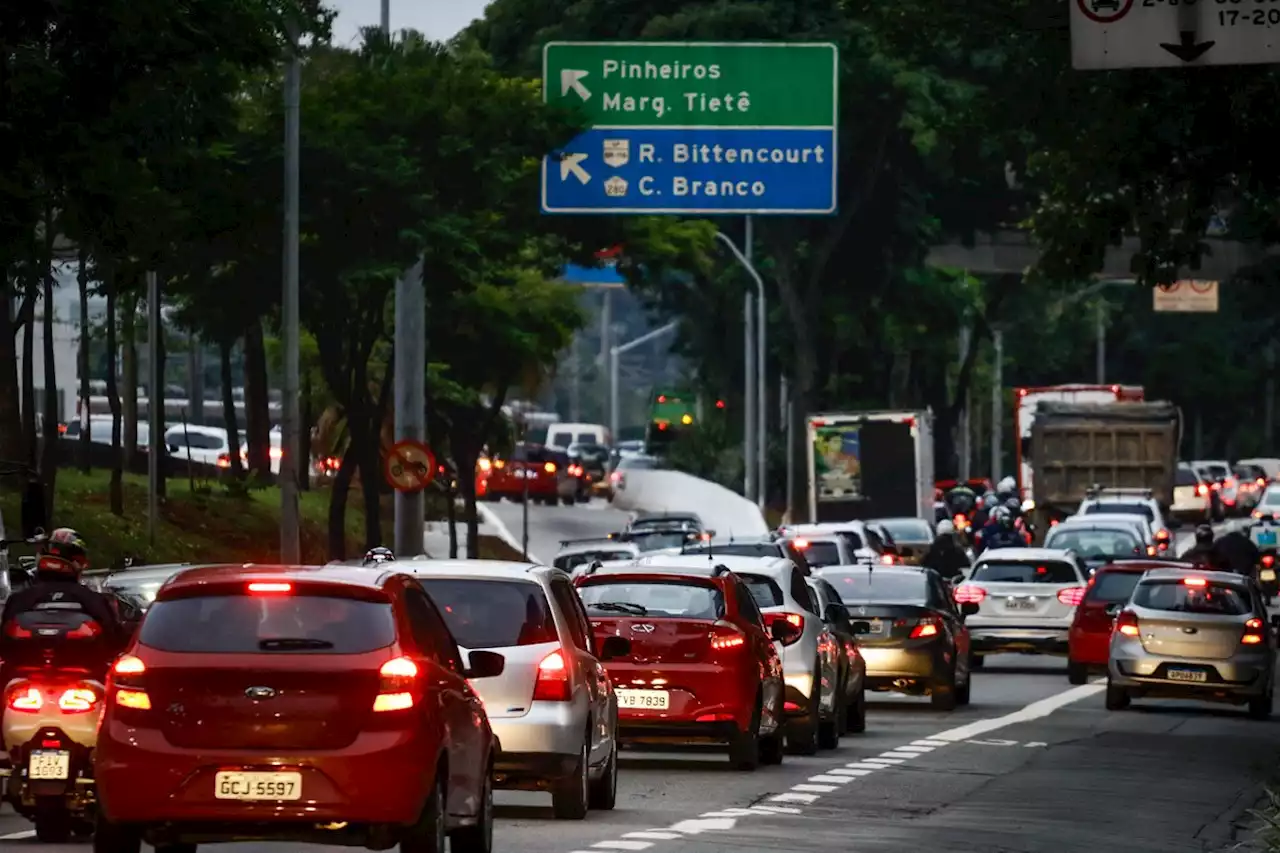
[(656, 540), (491, 614), (1271, 497), (822, 554), (1095, 543), (738, 549), (570, 561), (1112, 587), (862, 586), (1050, 571), (1120, 508), (1178, 597), (680, 599), (908, 529)]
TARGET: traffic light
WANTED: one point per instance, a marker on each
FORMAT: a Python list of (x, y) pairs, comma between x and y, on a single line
[(719, 404), (686, 419)]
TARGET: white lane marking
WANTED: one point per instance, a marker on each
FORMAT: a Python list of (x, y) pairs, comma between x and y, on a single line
[(839, 780), (653, 835), (919, 750), (1035, 711), (622, 845), (814, 789), (928, 742), (884, 761), (488, 516), (709, 824), (898, 754), (18, 836), (793, 798), (865, 765), (763, 809), (845, 771)]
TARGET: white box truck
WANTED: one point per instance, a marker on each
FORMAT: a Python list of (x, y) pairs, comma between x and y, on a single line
[(870, 465)]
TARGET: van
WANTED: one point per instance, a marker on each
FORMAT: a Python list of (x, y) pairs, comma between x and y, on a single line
[(561, 435)]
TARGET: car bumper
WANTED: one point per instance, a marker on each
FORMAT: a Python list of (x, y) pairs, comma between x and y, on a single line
[(548, 727), (704, 701), (894, 663), (1040, 641), (1243, 676), (1089, 648), (379, 779)]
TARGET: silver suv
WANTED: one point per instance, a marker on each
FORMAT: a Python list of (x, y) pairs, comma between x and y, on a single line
[(811, 700), (552, 709)]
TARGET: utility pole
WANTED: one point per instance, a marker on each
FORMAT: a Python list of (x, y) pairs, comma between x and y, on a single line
[(1100, 325), (290, 522), (607, 372), (788, 416), (749, 398), (762, 371), (997, 403), (753, 358), (155, 406)]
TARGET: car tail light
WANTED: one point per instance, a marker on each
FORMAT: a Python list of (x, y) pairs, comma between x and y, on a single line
[(1162, 535), (549, 467), (1071, 596), (84, 631), (553, 679), (930, 626), (615, 476), (726, 636), (224, 460), (1268, 560), (1151, 550), (395, 690), (1261, 482), (965, 594), (1202, 490), (1253, 635), (1195, 581), (268, 588), (483, 464), (28, 699), (886, 559), (800, 543), (77, 700), (13, 629), (129, 692), (1229, 483), (1127, 623)]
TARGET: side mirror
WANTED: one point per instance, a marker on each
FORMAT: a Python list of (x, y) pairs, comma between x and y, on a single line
[(837, 613), (969, 608), (612, 648), (861, 628), (482, 664), (711, 534), (1114, 609), (782, 631)]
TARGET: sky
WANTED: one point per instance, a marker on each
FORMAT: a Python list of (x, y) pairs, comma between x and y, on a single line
[(439, 19)]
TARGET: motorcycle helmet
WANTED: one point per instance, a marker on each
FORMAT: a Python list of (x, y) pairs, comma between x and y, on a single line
[(945, 527), (1014, 505), (1002, 516), (377, 556), (64, 553), (1008, 484), (1204, 535)]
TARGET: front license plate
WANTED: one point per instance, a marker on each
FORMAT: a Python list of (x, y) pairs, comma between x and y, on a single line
[(648, 700), (1267, 575), (49, 764), (1195, 675), (284, 785), (1020, 604)]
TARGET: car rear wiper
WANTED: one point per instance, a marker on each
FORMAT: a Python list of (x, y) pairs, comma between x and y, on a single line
[(283, 644), (621, 607)]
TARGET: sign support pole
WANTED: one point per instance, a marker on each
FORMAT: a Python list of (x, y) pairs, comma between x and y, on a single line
[(753, 357), (762, 372)]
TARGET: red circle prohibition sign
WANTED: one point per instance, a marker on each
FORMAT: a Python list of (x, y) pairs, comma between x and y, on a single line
[(1202, 286), (1094, 10), (409, 466)]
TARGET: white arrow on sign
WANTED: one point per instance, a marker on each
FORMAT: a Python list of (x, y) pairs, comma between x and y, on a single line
[(571, 79), (571, 164)]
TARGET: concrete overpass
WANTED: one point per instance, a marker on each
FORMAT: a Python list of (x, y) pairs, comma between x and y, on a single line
[(1013, 252)]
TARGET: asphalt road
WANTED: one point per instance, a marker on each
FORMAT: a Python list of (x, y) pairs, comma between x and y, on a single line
[(1032, 766), (550, 524)]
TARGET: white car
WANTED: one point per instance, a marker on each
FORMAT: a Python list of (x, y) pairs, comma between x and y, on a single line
[(1026, 599), (863, 542), (1130, 502), (1192, 500)]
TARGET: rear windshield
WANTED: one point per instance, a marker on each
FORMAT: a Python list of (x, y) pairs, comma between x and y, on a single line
[(653, 598), (822, 554), (570, 561), (873, 587), (1177, 597), (1095, 543), (739, 549), (1112, 587), (1186, 477), (491, 614), (1249, 472), (908, 529), (1271, 497), (1049, 571), (236, 624), (853, 540), (764, 590), (656, 540), (1219, 472), (1120, 508), (586, 437)]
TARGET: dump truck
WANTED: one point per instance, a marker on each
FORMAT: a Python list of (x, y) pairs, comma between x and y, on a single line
[(1078, 447), (876, 464)]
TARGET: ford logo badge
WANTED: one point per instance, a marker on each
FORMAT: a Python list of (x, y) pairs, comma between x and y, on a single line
[(260, 693)]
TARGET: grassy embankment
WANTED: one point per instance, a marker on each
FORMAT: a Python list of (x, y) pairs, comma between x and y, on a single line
[(204, 524)]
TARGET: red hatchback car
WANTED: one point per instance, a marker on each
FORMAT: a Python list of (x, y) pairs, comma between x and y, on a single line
[(325, 705), (702, 667), (1089, 640)]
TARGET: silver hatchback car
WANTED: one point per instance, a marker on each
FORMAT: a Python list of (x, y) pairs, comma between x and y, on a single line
[(1187, 634), (553, 708)]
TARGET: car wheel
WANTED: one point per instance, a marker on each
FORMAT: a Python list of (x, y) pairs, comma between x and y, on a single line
[(963, 693), (570, 796), (829, 730), (1117, 697), (569, 500), (479, 837), (428, 834), (744, 749), (111, 837), (942, 692), (1260, 708), (1077, 673), (603, 793), (857, 713)]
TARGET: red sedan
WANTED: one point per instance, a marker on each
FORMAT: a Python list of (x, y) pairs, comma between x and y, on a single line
[(702, 665), (532, 470), (313, 705), (1089, 639)]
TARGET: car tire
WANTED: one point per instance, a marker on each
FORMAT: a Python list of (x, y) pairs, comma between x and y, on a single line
[(1261, 707), (744, 748), (111, 837), (1117, 697), (570, 796), (942, 693), (602, 793), (829, 730), (428, 834), (963, 693), (857, 714), (569, 500), (1077, 673), (479, 837)]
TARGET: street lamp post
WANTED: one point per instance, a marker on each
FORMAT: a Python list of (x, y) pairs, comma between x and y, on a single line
[(290, 523), (614, 353), (756, 415)]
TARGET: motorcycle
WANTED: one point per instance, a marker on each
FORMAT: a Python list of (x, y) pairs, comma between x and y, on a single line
[(1265, 535)]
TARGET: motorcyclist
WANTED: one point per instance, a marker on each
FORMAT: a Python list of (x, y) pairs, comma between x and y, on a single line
[(1006, 489), (378, 555), (1239, 552), (57, 587), (1000, 532), (945, 556), (1206, 552)]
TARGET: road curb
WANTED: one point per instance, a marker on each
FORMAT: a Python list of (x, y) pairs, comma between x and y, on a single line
[(1232, 830), (489, 517)]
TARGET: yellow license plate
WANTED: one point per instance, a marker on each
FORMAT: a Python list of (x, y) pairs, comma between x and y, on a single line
[(1267, 575)]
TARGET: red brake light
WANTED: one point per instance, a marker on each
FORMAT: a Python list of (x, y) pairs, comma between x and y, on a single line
[(1268, 560), (550, 467), (1202, 490), (224, 461), (86, 630), (1162, 534), (927, 627), (887, 559), (263, 588), (129, 665), (1151, 550), (1261, 482), (1195, 581), (553, 679), (1071, 596), (1127, 623), (726, 636), (13, 629), (795, 619), (1253, 633), (800, 543), (965, 594), (395, 693), (77, 700), (26, 699)]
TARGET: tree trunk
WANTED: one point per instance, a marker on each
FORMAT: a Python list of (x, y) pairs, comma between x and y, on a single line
[(369, 440), (11, 438), (229, 419), (465, 441), (85, 446), (49, 452), (129, 344), (156, 396), (257, 414), (29, 380), (338, 504), (113, 399), (451, 515)]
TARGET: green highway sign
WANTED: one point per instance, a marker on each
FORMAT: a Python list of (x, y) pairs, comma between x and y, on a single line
[(702, 84)]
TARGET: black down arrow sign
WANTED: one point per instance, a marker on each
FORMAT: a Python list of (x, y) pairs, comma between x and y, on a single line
[(1187, 49)]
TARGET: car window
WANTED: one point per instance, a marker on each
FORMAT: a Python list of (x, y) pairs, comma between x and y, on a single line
[(1177, 597), (1271, 497), (491, 614), (1186, 477), (747, 603), (426, 618), (859, 586), (291, 624), (571, 561), (586, 437), (562, 439), (853, 540), (820, 554), (1048, 571), (874, 541), (656, 540), (766, 592), (800, 591), (1095, 543), (909, 529), (1120, 508), (567, 598), (674, 598), (1112, 587)]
